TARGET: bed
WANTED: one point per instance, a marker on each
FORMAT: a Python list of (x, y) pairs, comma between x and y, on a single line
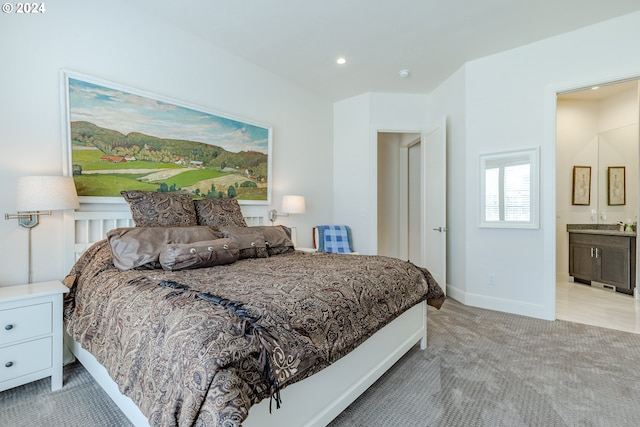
[(281, 363)]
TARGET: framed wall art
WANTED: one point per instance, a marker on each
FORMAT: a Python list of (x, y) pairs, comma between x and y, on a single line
[(616, 185), (118, 138), (581, 185)]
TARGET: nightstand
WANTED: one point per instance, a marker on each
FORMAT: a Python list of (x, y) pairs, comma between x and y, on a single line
[(31, 334)]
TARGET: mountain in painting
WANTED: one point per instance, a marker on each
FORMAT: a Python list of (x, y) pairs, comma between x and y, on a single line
[(148, 148)]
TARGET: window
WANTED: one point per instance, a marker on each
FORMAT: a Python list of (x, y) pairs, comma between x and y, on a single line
[(509, 189)]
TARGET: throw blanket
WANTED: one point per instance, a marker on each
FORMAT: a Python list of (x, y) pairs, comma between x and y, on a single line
[(334, 239), (199, 347)]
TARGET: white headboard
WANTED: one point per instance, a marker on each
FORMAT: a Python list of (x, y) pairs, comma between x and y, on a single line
[(84, 228)]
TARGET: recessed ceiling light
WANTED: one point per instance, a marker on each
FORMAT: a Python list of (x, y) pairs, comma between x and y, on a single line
[(341, 61), (404, 73)]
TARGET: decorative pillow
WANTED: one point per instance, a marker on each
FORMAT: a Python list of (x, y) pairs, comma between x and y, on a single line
[(152, 209), (251, 242), (277, 237), (219, 213), (208, 253), (141, 246)]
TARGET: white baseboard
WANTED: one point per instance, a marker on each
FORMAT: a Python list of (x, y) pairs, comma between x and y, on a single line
[(499, 304)]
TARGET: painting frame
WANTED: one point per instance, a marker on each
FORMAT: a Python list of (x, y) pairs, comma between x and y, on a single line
[(616, 186), (234, 152), (581, 193)]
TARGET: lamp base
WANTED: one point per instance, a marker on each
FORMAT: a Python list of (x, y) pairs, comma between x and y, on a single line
[(28, 220)]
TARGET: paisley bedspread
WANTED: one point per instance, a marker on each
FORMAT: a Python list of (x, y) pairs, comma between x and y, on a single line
[(199, 347)]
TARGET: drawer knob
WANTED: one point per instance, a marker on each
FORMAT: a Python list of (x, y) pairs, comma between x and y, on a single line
[(8, 364), (9, 327)]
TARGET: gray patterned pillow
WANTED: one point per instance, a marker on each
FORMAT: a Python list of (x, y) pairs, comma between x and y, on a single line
[(141, 246), (278, 238), (251, 242), (219, 213), (208, 253), (152, 209)]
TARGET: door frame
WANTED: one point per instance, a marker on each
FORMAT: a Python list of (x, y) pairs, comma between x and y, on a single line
[(375, 130), (403, 227), (403, 154)]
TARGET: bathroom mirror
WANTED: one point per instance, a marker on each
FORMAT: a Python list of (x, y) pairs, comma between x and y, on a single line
[(509, 189), (618, 148)]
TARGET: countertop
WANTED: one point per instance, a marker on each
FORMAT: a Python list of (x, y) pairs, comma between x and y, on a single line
[(602, 229)]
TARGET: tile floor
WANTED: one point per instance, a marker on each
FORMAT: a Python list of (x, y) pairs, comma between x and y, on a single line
[(593, 306)]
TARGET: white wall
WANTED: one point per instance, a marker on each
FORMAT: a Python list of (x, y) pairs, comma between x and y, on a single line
[(510, 103), (352, 158), (117, 41), (356, 122), (501, 102)]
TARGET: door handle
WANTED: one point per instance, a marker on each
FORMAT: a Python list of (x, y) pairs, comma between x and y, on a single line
[(440, 229)]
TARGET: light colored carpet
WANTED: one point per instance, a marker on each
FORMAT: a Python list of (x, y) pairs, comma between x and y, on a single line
[(79, 403), (485, 368), (482, 368)]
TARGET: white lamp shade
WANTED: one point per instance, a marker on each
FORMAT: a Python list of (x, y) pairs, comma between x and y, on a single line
[(293, 204), (46, 193)]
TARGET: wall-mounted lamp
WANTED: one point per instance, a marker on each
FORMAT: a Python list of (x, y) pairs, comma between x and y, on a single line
[(290, 205), (39, 195)]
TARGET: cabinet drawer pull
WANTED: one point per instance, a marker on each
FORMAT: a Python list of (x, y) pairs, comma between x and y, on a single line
[(8, 327), (8, 364)]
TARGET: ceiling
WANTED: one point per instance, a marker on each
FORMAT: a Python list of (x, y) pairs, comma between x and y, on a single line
[(300, 40), (600, 92)]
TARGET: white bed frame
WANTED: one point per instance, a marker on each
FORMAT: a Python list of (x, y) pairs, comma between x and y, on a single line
[(314, 401)]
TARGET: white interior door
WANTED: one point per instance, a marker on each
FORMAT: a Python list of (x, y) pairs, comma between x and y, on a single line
[(434, 203)]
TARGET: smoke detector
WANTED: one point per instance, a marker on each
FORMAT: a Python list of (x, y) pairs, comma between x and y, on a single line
[(404, 73)]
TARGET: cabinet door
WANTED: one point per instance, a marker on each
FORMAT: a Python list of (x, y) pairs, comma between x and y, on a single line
[(613, 266), (580, 261)]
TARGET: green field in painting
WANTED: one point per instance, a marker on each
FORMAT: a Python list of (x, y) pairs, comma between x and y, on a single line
[(191, 177), (109, 185), (89, 160)]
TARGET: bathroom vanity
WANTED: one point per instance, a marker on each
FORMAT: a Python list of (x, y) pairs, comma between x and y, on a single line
[(603, 254)]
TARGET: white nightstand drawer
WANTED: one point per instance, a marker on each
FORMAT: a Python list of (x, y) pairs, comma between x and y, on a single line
[(31, 333), (25, 322), (26, 358)]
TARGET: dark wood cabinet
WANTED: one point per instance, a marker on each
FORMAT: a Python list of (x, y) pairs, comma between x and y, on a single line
[(608, 259)]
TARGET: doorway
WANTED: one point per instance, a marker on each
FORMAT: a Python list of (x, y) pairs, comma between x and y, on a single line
[(411, 196), (399, 195), (587, 122)]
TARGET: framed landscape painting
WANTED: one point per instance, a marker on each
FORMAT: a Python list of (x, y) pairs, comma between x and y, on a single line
[(118, 138)]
